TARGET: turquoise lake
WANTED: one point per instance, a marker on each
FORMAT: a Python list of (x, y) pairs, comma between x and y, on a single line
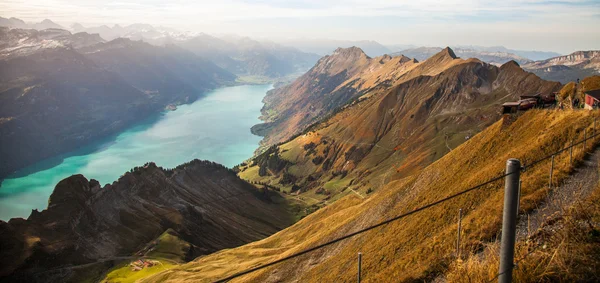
[(215, 127)]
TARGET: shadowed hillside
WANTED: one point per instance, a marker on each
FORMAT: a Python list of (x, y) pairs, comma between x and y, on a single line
[(60, 91), (204, 205)]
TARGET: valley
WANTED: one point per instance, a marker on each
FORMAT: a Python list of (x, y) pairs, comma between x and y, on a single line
[(135, 152), (216, 128)]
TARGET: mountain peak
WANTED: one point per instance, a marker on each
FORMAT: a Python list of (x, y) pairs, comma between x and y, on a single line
[(509, 64), (353, 51), (404, 59), (77, 26), (448, 52), (17, 20), (445, 55)]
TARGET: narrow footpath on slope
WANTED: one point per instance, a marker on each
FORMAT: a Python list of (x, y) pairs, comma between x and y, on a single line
[(577, 186)]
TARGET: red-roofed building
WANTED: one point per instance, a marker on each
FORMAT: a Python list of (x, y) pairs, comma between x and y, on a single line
[(592, 99)]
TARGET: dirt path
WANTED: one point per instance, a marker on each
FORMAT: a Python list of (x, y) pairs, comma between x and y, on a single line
[(576, 187), (357, 193)]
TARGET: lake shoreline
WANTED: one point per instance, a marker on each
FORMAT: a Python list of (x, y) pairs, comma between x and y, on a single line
[(215, 127)]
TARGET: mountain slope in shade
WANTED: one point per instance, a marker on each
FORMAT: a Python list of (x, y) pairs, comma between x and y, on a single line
[(417, 248), (42, 94), (567, 68), (162, 71), (204, 203), (393, 131), (51, 78)]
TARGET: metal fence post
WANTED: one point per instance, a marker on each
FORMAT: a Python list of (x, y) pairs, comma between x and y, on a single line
[(571, 152), (359, 265), (519, 200), (509, 220), (584, 139), (458, 233), (551, 172)]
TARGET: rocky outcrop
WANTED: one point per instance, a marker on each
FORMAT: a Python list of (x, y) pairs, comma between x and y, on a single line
[(206, 204)]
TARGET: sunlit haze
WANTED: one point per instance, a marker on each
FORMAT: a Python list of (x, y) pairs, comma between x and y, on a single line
[(561, 26)]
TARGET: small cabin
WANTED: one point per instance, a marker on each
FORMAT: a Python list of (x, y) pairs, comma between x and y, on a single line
[(510, 107), (541, 100), (592, 99)]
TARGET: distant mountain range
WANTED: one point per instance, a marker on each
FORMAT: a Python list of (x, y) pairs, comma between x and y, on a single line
[(18, 23), (327, 46), (492, 57), (239, 55), (567, 68), (529, 54), (245, 56), (561, 68)]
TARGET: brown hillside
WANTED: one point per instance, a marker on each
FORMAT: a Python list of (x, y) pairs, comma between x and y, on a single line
[(418, 247), (396, 132)]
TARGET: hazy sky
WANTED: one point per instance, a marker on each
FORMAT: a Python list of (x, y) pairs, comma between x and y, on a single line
[(562, 26)]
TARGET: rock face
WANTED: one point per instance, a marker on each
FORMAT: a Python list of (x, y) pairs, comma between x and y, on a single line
[(60, 91), (205, 203), (567, 68)]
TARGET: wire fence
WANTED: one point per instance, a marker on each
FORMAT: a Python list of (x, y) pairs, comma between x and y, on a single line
[(401, 216)]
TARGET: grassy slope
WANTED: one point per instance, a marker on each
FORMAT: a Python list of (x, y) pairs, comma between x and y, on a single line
[(418, 246), (124, 274), (169, 251), (570, 92), (568, 250), (398, 131)]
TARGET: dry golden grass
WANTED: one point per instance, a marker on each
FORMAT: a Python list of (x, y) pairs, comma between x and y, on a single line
[(419, 247), (567, 91), (591, 83), (567, 250)]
